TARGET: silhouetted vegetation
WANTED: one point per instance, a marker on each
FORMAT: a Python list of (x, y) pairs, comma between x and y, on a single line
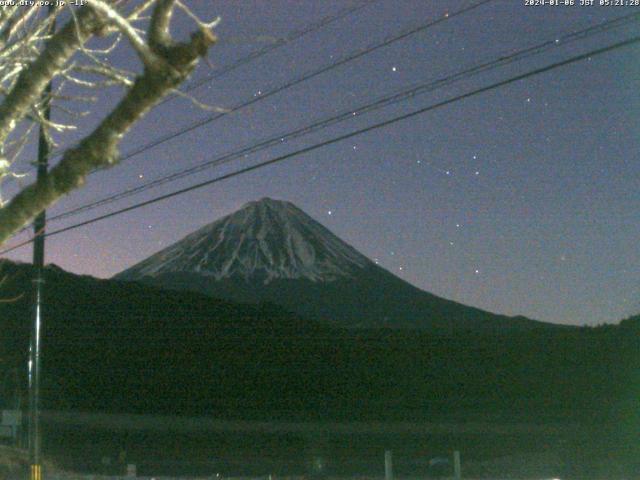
[(119, 347)]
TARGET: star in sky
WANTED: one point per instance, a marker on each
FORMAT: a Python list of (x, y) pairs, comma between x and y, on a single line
[(493, 129)]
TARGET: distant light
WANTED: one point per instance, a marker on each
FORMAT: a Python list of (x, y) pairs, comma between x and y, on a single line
[(141, 176), (448, 172), (477, 172), (394, 69), (329, 212), (477, 271)]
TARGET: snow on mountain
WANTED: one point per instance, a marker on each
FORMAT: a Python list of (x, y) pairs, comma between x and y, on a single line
[(266, 239), (270, 251)]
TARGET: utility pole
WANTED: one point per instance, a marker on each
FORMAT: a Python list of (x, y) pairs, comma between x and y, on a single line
[(35, 435), (388, 465), (457, 470)]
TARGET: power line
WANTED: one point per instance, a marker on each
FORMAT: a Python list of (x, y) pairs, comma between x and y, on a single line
[(348, 114), (307, 76), (353, 56), (292, 36), (279, 43), (494, 86)]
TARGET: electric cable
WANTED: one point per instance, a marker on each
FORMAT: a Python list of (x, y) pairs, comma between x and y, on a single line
[(376, 126), (384, 101)]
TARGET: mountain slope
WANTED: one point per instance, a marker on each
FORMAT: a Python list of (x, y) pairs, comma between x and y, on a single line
[(265, 240), (121, 346), (272, 251), (127, 347)]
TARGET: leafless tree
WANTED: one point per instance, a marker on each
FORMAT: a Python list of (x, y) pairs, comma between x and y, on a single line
[(76, 56)]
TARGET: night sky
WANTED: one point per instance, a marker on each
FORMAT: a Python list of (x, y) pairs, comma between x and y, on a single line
[(523, 200)]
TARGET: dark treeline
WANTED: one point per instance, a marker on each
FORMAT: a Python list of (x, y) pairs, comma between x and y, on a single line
[(126, 347), (117, 347)]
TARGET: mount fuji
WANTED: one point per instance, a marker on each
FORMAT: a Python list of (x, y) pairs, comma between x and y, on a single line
[(271, 251)]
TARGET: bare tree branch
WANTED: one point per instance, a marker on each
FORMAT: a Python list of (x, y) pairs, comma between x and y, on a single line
[(170, 65), (33, 80), (146, 53), (159, 35)]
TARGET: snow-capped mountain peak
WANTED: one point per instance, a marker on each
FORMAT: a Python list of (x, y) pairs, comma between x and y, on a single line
[(266, 239)]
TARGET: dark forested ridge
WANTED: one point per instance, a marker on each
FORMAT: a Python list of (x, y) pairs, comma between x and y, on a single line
[(126, 347), (271, 251), (111, 346)]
